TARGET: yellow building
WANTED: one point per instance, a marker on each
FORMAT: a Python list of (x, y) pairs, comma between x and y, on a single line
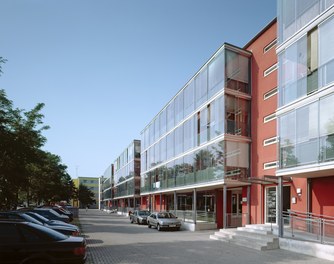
[(93, 184)]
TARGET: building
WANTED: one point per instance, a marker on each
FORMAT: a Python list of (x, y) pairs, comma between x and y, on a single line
[(305, 112), (126, 179), (196, 151), (106, 187), (93, 184), (264, 159)]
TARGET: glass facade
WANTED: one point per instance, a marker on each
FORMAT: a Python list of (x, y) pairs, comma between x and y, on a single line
[(127, 171), (293, 15), (306, 79), (191, 147)]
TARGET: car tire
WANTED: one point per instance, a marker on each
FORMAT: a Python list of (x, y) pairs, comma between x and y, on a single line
[(131, 221), (158, 227), (138, 222), (148, 225)]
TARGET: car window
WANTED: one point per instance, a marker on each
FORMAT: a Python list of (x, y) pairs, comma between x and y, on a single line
[(9, 233), (144, 213), (44, 232), (29, 235)]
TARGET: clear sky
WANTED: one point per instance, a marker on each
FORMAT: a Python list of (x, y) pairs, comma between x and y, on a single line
[(105, 68)]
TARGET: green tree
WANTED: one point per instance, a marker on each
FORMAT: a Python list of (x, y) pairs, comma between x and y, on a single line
[(85, 196)]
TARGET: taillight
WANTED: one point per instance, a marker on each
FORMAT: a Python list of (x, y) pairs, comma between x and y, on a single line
[(80, 251), (76, 233)]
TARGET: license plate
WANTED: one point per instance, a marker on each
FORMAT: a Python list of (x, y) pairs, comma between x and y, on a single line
[(172, 225)]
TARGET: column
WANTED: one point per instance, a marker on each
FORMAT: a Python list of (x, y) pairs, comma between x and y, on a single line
[(224, 206), (175, 202), (194, 205), (248, 204), (280, 206), (160, 202)]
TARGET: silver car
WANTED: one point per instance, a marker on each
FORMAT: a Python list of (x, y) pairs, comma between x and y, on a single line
[(163, 220)]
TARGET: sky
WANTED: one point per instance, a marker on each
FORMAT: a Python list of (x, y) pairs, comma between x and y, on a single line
[(105, 68)]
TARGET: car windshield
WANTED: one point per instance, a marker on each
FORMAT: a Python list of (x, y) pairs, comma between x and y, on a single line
[(39, 217), (144, 213), (165, 215)]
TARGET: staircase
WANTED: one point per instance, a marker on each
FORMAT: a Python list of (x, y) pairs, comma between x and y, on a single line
[(258, 237)]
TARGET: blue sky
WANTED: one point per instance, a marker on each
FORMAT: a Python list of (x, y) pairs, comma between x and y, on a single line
[(105, 68)]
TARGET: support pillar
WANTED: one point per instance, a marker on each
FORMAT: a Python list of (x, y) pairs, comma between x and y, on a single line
[(280, 207), (175, 202), (160, 202), (194, 206), (248, 204), (224, 207)]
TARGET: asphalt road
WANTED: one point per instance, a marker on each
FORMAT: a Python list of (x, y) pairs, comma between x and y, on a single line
[(112, 239)]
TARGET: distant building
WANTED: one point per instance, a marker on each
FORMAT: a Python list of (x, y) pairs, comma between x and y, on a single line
[(93, 184), (106, 184)]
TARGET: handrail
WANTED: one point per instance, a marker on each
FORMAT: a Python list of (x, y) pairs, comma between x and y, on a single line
[(310, 214)]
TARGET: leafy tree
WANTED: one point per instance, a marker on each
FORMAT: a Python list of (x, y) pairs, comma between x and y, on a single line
[(2, 60), (85, 196)]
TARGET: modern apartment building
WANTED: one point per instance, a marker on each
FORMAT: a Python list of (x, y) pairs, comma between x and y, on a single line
[(125, 191), (106, 184), (305, 107), (196, 151)]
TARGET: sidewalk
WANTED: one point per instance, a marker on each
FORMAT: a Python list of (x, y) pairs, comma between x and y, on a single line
[(112, 239)]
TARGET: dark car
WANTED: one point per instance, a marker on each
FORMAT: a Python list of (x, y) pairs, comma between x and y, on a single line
[(26, 243), (66, 230), (47, 221), (60, 211), (51, 214), (163, 220), (139, 216)]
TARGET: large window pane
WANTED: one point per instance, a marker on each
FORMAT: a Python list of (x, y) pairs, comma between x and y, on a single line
[(237, 160), (189, 134), (163, 149), (163, 122), (156, 128), (287, 128), (179, 108), (170, 116), (326, 52), (189, 99), (201, 87), (203, 126), (178, 140), (179, 172), (216, 74), (326, 116), (293, 72), (170, 145), (217, 119), (237, 71), (188, 167)]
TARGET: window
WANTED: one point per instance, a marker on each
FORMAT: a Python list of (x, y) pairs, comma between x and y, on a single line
[(270, 46), (269, 118), (270, 165), (269, 94), (269, 141), (270, 70)]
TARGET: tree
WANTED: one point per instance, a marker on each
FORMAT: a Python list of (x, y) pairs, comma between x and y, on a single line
[(2, 60), (85, 196)]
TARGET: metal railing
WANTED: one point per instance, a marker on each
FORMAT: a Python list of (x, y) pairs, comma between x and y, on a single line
[(308, 226)]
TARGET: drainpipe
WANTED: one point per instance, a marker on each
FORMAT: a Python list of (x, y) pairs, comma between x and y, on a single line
[(224, 206), (280, 207), (248, 204)]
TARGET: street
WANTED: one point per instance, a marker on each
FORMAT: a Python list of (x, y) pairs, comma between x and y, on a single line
[(112, 239)]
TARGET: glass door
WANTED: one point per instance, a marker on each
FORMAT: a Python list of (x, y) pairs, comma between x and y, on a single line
[(270, 208)]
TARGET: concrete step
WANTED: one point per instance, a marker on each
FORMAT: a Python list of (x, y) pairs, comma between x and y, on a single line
[(261, 240)]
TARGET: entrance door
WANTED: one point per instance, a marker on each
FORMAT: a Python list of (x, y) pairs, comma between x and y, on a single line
[(270, 209), (236, 216)]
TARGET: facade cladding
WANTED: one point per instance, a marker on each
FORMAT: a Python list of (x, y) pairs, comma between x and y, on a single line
[(200, 141), (306, 96), (125, 191), (106, 187)]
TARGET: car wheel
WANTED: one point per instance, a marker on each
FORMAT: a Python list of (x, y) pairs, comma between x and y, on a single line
[(159, 227), (148, 225), (131, 221), (138, 221)]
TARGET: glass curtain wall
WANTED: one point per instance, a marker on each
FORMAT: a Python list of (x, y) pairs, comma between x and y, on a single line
[(295, 14), (307, 133), (181, 154)]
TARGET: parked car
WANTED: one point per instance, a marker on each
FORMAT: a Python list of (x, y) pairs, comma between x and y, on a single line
[(60, 210), (45, 220), (139, 217), (66, 230), (27, 243), (163, 220), (51, 214)]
